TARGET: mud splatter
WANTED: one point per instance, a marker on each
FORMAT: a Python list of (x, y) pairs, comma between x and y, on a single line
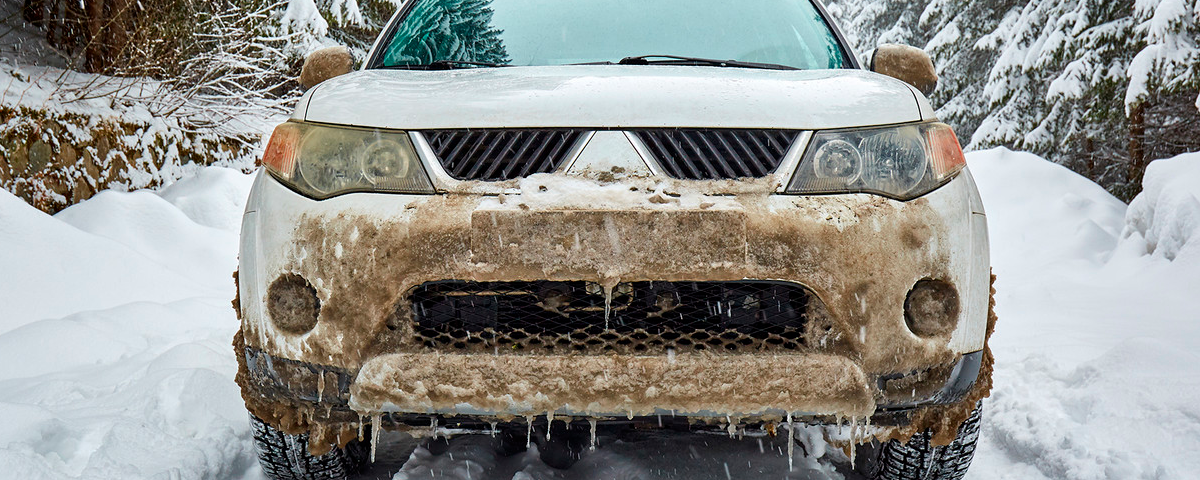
[(861, 254), (237, 296), (943, 421), (609, 385), (452, 237)]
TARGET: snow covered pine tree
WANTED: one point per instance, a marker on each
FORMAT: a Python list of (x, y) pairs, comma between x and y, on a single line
[(1098, 86)]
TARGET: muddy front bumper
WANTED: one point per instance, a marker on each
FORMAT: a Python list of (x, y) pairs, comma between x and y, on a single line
[(752, 389), (364, 254)]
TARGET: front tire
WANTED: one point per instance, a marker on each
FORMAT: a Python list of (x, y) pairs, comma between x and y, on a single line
[(286, 457), (919, 460)]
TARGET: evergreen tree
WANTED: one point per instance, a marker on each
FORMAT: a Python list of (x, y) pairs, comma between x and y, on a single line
[(1099, 86)]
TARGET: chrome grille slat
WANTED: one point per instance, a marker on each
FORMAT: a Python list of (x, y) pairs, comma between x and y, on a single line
[(496, 155), (690, 154), (717, 155), (745, 169), (556, 150), (701, 154), (712, 154)]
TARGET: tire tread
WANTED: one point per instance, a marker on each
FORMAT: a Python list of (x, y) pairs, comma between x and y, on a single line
[(286, 457), (919, 460)]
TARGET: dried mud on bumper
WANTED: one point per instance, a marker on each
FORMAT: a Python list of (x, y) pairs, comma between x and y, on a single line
[(845, 250), (612, 385)]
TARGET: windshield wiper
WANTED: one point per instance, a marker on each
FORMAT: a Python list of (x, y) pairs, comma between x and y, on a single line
[(678, 60), (445, 65)]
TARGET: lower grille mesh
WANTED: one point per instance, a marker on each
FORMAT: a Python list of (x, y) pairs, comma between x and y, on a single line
[(574, 317)]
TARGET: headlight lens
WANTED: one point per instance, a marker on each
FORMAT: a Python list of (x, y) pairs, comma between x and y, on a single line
[(322, 162), (903, 162)]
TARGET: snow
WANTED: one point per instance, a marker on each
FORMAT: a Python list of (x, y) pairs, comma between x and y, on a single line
[(1096, 372), (303, 15), (115, 359), (52, 269), (1166, 216)]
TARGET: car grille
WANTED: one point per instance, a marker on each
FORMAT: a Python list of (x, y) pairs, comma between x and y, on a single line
[(495, 155), (575, 317), (711, 154)]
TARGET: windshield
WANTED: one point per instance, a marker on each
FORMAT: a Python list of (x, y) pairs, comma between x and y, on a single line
[(561, 32)]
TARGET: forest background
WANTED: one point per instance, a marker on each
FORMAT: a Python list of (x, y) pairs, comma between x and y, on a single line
[(1098, 86)]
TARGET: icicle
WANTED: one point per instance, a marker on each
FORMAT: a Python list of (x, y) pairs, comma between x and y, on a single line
[(731, 428), (529, 430), (791, 442), (608, 294), (360, 427), (375, 434), (321, 387), (630, 415), (493, 429), (433, 427), (549, 423), (660, 420), (592, 423), (853, 435)]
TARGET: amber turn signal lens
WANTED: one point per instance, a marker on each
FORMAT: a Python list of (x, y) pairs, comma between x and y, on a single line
[(946, 155), (283, 149)]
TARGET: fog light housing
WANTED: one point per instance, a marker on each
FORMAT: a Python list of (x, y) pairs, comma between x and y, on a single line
[(292, 304), (932, 308)]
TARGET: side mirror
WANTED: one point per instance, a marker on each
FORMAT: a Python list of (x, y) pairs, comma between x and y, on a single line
[(325, 64), (908, 64)]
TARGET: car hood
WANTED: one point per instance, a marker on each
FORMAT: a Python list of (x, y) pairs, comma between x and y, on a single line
[(612, 96)]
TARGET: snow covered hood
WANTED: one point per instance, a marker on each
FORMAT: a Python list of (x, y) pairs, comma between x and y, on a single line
[(612, 96)]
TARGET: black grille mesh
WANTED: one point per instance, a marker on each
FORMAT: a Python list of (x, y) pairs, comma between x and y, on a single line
[(574, 317), (495, 155), (710, 154)]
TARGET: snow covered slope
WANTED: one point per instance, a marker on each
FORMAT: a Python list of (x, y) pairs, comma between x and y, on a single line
[(1097, 374), (115, 357), (115, 331)]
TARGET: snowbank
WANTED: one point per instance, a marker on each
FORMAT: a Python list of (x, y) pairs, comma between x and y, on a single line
[(1165, 217), (114, 339), (1041, 213), (1096, 374), (52, 269)]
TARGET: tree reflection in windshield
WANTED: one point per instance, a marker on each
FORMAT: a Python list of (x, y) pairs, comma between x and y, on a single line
[(792, 33), (458, 30)]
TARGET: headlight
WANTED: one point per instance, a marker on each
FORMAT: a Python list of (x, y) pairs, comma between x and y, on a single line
[(322, 162), (902, 162)]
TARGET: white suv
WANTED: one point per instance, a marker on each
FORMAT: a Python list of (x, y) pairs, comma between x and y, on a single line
[(551, 218)]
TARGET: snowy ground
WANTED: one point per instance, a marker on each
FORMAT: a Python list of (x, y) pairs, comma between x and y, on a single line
[(115, 359)]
